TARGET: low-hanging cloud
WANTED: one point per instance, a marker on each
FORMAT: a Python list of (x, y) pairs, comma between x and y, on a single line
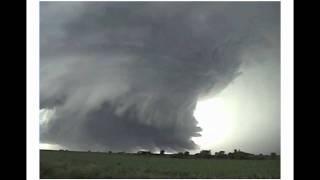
[(127, 75)]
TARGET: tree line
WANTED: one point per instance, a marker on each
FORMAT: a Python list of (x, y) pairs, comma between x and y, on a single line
[(206, 154), (203, 154)]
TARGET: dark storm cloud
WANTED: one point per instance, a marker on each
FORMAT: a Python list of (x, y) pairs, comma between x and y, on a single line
[(126, 76)]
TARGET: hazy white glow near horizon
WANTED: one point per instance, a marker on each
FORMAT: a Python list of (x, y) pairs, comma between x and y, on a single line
[(214, 118), (50, 146)]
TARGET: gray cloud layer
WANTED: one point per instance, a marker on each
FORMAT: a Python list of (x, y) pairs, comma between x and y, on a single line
[(125, 76)]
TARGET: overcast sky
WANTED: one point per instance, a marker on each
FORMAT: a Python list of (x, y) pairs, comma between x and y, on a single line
[(126, 76)]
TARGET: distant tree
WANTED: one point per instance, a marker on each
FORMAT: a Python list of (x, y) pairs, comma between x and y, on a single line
[(260, 156), (144, 152), (205, 153), (220, 154), (231, 155), (109, 152), (186, 153), (242, 155), (162, 152), (178, 155), (273, 155)]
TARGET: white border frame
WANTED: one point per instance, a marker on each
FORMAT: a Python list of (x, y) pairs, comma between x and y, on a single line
[(287, 89), (33, 144)]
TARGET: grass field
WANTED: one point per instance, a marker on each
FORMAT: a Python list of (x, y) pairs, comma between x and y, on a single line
[(92, 165)]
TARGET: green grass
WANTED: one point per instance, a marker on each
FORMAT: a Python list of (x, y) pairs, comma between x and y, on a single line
[(67, 164)]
